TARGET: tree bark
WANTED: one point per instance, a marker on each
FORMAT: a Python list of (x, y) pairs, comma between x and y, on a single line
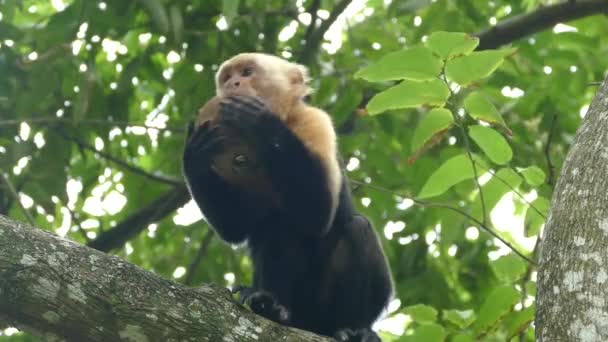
[(572, 301), (60, 290)]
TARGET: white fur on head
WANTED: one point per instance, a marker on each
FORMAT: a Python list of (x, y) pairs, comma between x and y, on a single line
[(280, 68)]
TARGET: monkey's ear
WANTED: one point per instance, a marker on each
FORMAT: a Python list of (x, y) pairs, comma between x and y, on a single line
[(298, 75)]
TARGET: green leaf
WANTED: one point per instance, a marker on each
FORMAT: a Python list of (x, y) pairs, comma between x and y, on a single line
[(509, 268), (497, 305), (479, 108), (468, 69), (421, 313), (518, 321), (158, 13), (460, 318), (463, 337), (450, 44), (230, 9), (452, 172), (533, 175), (433, 123), (410, 94), (417, 63), (426, 333), (492, 143), (535, 216)]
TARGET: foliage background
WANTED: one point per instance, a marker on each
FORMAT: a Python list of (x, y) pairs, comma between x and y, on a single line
[(94, 97)]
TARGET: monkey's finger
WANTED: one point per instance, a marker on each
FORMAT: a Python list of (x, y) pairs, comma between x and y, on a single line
[(244, 99), (248, 104)]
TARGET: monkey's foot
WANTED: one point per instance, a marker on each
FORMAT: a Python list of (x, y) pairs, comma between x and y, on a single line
[(262, 303), (360, 335)]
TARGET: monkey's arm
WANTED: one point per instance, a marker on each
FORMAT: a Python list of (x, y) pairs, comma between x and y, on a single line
[(224, 207), (296, 174)]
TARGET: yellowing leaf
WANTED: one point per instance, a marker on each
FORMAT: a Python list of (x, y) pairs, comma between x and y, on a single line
[(410, 94), (450, 44), (478, 65), (417, 63), (492, 143), (433, 123)]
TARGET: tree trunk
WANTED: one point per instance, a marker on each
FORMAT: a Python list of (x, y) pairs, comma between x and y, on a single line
[(58, 289), (572, 301)]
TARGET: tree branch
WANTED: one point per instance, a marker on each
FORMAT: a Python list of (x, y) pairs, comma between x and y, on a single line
[(132, 225), (200, 254), (121, 163), (524, 25), (314, 42), (60, 290), (13, 192)]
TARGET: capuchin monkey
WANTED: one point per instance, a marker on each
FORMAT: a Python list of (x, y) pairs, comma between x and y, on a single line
[(263, 167)]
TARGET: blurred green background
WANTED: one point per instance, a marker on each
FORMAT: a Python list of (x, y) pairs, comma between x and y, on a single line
[(94, 98)]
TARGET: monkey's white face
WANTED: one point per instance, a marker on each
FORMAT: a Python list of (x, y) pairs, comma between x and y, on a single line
[(279, 83), (238, 79)]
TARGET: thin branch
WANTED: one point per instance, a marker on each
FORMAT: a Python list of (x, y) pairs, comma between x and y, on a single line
[(314, 8), (200, 254), (550, 167), (314, 42), (452, 208), (135, 223), (81, 230), (91, 122), (11, 189), (543, 18), (515, 191), (121, 163), (467, 144), (468, 149)]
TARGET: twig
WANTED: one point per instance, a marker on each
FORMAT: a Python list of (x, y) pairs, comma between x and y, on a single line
[(468, 149), (545, 17), (515, 191), (452, 208), (200, 254), (550, 167), (78, 223), (14, 193), (121, 163), (136, 222), (312, 44), (92, 122), (314, 8)]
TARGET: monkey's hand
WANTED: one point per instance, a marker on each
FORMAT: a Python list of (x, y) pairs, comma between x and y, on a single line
[(201, 145), (360, 335), (263, 304), (253, 119)]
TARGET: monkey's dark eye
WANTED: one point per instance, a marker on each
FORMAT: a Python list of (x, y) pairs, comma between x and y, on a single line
[(247, 72)]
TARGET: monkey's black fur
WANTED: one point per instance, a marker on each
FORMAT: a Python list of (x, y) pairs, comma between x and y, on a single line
[(327, 277)]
